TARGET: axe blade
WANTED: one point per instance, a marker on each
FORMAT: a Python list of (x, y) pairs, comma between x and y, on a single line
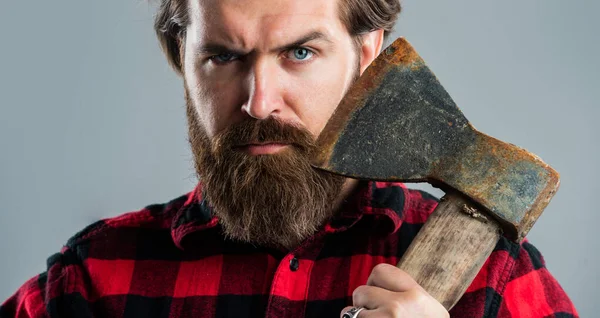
[(397, 123), (393, 122)]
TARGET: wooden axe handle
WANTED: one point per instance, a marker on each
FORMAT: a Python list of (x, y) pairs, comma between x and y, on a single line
[(451, 248)]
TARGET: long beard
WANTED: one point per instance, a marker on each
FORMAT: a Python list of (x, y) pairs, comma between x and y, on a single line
[(273, 200)]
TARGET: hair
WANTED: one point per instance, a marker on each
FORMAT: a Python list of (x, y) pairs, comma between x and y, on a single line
[(359, 17)]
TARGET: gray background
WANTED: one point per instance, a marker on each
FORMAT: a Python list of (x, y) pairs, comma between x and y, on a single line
[(92, 119)]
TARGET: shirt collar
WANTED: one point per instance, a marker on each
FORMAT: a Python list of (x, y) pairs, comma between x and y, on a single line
[(382, 203)]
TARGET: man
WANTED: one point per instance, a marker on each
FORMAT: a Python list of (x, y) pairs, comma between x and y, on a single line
[(264, 234)]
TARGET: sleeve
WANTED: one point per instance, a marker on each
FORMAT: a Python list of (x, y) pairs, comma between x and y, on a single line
[(532, 291), (28, 301), (58, 292)]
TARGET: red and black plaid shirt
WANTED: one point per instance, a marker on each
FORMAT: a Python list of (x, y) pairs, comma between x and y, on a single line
[(171, 260)]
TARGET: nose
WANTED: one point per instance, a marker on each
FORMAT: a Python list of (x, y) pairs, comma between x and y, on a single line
[(263, 91)]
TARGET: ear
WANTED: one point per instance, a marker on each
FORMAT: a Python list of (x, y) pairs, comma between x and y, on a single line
[(370, 48)]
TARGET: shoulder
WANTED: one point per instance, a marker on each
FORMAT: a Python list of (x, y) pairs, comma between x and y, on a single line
[(107, 248), (152, 217), (119, 238), (532, 289), (513, 281)]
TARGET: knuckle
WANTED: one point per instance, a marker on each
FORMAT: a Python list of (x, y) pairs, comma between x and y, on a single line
[(381, 268), (378, 272), (417, 296), (396, 308), (359, 293), (393, 310)]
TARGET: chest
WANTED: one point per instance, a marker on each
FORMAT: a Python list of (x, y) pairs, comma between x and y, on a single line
[(316, 283)]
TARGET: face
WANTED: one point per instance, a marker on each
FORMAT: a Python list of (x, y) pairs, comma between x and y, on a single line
[(291, 60), (262, 77)]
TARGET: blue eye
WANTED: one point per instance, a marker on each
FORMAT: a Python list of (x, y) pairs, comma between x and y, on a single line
[(302, 54), (224, 57)]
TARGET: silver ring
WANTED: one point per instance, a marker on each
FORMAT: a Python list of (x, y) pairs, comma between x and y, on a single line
[(353, 312)]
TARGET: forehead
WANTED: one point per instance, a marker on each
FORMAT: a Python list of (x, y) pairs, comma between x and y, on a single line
[(249, 22)]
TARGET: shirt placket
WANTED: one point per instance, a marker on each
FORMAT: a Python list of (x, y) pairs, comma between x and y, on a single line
[(289, 288)]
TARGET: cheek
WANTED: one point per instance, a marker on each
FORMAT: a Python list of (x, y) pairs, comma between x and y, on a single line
[(213, 100), (319, 96)]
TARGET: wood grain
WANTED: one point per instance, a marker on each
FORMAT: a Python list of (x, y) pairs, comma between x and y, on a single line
[(451, 248)]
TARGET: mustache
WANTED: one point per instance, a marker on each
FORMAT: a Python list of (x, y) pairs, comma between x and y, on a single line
[(270, 130)]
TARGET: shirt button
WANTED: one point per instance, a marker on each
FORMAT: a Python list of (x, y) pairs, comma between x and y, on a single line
[(294, 264)]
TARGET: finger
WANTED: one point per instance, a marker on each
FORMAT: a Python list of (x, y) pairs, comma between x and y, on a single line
[(371, 297), (377, 313), (392, 278)]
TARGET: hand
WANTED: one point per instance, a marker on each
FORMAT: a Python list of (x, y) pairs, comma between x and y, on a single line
[(391, 292)]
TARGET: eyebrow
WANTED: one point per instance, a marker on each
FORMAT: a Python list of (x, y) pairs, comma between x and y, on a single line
[(312, 36), (215, 48)]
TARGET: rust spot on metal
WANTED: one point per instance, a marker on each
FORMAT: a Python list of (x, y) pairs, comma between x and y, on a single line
[(400, 53), (511, 183), (397, 123)]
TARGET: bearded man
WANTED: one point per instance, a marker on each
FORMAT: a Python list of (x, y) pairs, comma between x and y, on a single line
[(264, 234)]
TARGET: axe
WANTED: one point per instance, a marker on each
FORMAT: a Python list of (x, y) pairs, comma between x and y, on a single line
[(397, 123)]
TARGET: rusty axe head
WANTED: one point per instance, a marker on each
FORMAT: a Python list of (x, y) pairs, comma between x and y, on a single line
[(397, 123)]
